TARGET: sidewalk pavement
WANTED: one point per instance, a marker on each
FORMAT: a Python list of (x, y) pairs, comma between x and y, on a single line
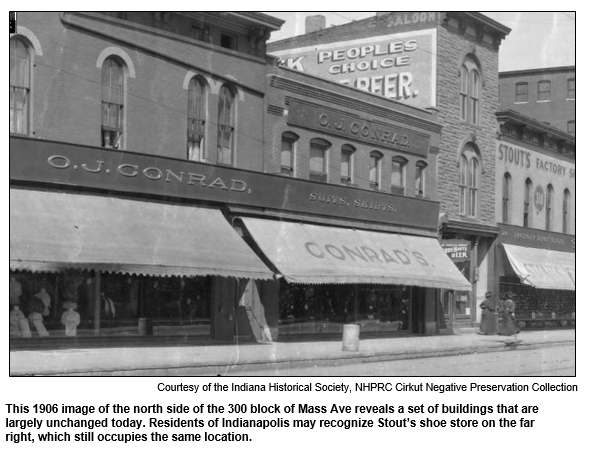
[(216, 359)]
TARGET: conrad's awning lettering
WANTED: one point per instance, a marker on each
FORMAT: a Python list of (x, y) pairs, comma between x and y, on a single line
[(312, 254)]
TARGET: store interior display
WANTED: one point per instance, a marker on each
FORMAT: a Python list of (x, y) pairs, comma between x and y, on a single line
[(532, 303)]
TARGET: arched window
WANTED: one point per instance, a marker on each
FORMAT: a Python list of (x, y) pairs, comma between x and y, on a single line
[(420, 171), (527, 219), (318, 160), (398, 175), (112, 104), (347, 157), (566, 212), (226, 122), (468, 193), (196, 120), (549, 208), (289, 141), (506, 198), (375, 170), (470, 81), (20, 86)]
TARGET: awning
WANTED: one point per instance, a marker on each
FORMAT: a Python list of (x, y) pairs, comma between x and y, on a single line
[(543, 268), (51, 231), (312, 254)]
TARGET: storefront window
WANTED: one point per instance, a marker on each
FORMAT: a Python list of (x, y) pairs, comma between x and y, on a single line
[(532, 303), (317, 309), (53, 304)]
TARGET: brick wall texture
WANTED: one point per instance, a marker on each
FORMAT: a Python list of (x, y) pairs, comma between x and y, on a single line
[(452, 49)]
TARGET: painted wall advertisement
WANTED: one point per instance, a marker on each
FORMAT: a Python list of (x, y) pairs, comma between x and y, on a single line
[(400, 67)]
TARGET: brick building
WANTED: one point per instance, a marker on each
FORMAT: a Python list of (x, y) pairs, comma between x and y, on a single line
[(446, 62), (166, 177), (535, 189), (545, 94)]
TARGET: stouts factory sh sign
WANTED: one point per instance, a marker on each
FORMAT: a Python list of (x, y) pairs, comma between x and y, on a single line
[(400, 67)]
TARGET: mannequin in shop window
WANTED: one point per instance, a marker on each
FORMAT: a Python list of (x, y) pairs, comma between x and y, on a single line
[(35, 317), (108, 306), (69, 288), (19, 326)]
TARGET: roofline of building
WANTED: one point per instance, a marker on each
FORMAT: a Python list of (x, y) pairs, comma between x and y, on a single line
[(423, 114), (486, 20), (537, 126), (266, 19), (534, 71)]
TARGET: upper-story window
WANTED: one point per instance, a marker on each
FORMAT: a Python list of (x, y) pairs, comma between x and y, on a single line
[(112, 104), (420, 179), (571, 127), (468, 195), (544, 92), (398, 175), (347, 157), (527, 213), (375, 170), (571, 88), (289, 142), (226, 122), (20, 86), (566, 210), (318, 159), (521, 93), (506, 198), (549, 208), (228, 41), (196, 120), (470, 92)]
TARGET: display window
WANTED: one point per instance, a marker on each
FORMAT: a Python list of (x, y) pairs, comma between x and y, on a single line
[(532, 303), (65, 304), (326, 308)]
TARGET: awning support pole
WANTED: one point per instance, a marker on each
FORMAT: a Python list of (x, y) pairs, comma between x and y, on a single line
[(97, 294)]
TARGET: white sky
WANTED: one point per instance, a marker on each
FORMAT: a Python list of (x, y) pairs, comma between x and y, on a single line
[(537, 40)]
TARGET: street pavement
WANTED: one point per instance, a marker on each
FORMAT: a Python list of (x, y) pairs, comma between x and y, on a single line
[(221, 359)]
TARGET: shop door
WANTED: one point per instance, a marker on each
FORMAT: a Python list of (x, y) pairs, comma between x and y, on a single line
[(462, 299)]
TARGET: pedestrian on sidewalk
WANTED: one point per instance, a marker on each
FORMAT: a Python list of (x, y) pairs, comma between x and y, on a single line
[(488, 324), (509, 325)]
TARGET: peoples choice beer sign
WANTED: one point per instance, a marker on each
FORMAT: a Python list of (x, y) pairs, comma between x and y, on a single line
[(401, 67)]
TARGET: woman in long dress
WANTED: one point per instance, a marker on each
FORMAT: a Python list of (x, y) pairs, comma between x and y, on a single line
[(488, 324), (509, 326)]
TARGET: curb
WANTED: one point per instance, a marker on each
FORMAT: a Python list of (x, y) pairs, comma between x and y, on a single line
[(218, 369)]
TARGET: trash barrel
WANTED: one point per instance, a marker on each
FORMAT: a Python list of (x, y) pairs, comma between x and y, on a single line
[(351, 337), (144, 326)]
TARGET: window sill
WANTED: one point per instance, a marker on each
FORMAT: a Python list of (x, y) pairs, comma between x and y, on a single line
[(543, 101), (520, 103)]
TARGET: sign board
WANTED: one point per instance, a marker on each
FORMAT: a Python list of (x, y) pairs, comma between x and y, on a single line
[(373, 132), (539, 198), (399, 66), (533, 238), (73, 166), (457, 250)]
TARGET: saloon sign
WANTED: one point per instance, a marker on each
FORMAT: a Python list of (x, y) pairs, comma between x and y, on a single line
[(400, 67)]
